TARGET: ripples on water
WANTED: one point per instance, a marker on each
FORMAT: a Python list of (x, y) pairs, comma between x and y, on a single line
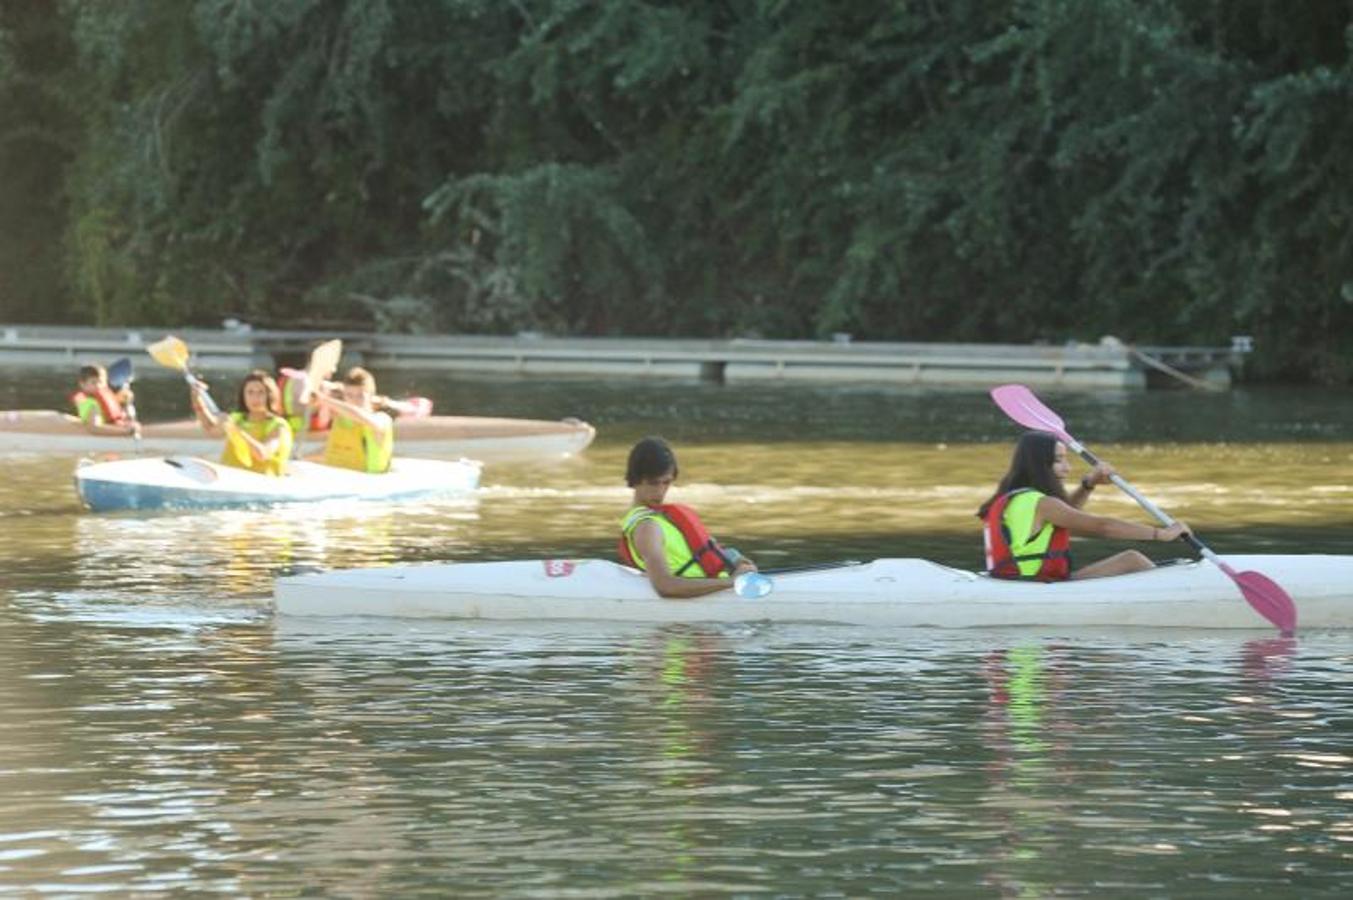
[(231, 752), (166, 734)]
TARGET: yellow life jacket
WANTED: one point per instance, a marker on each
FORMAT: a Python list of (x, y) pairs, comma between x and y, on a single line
[(680, 560), (237, 452), (352, 445)]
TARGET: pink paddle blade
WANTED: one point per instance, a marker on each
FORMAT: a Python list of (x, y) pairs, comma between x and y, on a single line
[(1267, 599), (1020, 404)]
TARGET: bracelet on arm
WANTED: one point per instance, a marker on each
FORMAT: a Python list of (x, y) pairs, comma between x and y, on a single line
[(1086, 483)]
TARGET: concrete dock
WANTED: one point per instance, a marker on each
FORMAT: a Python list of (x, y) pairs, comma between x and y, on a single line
[(1108, 364)]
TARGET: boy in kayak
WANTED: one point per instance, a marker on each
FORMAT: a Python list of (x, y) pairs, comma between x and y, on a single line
[(257, 438), (97, 405), (1029, 521), (361, 437), (668, 541)]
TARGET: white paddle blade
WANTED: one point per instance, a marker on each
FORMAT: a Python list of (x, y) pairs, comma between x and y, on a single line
[(752, 585), (324, 360), (1020, 404), (170, 352), (323, 363)]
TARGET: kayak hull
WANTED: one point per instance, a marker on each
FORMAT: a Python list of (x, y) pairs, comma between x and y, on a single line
[(886, 592), (152, 483), (430, 437)]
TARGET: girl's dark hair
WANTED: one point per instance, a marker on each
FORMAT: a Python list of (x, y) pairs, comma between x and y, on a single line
[(1030, 467), (270, 385), (649, 458)]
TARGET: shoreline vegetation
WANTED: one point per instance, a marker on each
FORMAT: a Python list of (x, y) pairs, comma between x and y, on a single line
[(1168, 172)]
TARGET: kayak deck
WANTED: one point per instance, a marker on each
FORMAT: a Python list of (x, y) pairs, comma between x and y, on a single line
[(432, 437), (894, 592), (151, 483)]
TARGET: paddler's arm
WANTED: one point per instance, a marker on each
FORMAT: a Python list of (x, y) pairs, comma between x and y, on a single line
[(96, 425), (1064, 515), (648, 541), (209, 423), (376, 422), (261, 451), (1100, 474)]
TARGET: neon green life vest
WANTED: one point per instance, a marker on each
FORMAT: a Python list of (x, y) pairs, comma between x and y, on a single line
[(674, 545), (87, 408), (1019, 517), (291, 408)]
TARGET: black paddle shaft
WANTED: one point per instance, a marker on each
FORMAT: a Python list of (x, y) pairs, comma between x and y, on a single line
[(813, 567)]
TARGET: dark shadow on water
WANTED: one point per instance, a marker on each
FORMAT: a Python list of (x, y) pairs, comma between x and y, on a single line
[(689, 411)]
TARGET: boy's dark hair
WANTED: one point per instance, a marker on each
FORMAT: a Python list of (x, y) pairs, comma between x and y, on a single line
[(649, 458), (87, 372)]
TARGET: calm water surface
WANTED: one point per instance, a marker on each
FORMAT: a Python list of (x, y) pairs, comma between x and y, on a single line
[(164, 733)]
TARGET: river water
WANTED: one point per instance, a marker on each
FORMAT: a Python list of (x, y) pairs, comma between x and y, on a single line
[(166, 734)]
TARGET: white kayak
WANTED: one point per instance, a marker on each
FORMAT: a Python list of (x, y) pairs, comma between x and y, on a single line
[(192, 483), (892, 592), (431, 437)]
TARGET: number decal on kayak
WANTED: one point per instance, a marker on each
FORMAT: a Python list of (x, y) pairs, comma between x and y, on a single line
[(559, 568)]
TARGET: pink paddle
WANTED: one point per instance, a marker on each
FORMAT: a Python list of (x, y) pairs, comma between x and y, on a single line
[(1260, 591)]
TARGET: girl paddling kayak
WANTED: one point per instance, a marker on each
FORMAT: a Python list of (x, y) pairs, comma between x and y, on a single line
[(257, 437), (1029, 520)]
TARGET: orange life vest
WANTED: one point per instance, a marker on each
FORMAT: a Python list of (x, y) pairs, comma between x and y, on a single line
[(705, 551), (109, 406), (1002, 561)]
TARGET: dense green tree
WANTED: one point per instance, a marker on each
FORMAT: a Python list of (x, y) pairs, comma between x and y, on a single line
[(39, 135), (1162, 170)]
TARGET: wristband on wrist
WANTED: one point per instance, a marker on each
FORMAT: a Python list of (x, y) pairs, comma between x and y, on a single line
[(1086, 484)]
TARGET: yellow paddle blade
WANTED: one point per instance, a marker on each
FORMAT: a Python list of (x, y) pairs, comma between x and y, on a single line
[(170, 352)]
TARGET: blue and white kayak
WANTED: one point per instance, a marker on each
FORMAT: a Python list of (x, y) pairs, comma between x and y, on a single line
[(189, 482), (885, 592)]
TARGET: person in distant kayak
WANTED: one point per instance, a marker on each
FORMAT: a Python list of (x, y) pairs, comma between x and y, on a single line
[(97, 404), (667, 541), (301, 416), (1029, 520), (257, 437), (361, 437)]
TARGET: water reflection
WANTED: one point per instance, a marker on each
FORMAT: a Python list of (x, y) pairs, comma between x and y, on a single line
[(271, 756), (177, 737), (682, 669), (237, 553), (1025, 779)]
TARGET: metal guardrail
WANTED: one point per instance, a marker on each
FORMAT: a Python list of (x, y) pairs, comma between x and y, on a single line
[(1110, 364)]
